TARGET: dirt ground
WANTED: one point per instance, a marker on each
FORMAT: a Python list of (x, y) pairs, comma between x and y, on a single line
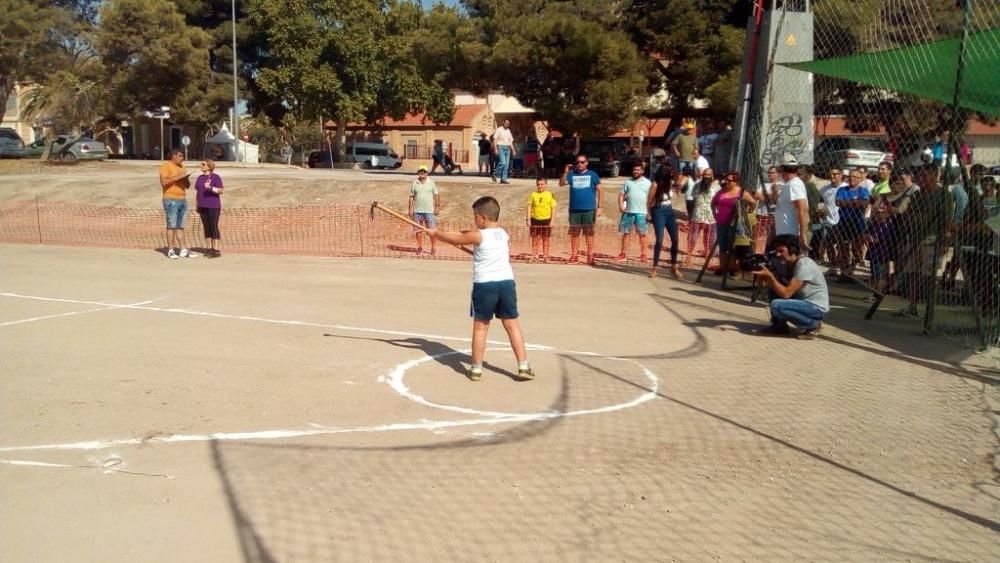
[(134, 184), (270, 408), (294, 408)]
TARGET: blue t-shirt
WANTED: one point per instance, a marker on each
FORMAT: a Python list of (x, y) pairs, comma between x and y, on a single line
[(636, 192), (583, 190), (854, 216)]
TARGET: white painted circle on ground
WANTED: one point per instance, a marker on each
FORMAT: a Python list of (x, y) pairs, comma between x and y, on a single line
[(397, 375)]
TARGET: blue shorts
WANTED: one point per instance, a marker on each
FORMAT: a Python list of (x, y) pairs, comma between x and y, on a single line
[(175, 209), (630, 219), (494, 298), (426, 219)]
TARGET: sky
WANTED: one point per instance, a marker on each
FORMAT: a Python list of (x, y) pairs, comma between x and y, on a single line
[(429, 3)]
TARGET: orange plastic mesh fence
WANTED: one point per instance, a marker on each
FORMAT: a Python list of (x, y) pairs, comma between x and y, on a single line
[(329, 230)]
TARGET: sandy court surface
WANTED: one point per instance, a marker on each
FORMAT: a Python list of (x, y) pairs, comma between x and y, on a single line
[(263, 408)]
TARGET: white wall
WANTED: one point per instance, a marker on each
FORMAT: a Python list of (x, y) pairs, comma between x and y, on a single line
[(987, 149)]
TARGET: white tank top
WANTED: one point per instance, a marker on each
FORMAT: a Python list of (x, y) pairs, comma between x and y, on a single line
[(491, 257)]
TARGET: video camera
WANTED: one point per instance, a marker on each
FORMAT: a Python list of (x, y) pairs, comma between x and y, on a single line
[(757, 262)]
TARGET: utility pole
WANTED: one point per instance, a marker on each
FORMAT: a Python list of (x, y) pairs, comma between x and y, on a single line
[(236, 116)]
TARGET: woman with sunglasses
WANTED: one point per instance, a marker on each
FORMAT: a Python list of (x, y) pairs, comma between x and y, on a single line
[(209, 188), (661, 214), (725, 207)]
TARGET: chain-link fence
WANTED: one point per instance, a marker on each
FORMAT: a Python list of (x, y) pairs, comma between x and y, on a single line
[(892, 126)]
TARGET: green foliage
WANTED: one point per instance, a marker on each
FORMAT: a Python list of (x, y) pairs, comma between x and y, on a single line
[(151, 56), (565, 60), (698, 48), (28, 30), (215, 18), (347, 59)]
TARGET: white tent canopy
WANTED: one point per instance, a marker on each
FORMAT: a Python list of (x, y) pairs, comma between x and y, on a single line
[(220, 147)]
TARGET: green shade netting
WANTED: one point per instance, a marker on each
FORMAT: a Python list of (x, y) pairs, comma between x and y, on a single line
[(927, 70)]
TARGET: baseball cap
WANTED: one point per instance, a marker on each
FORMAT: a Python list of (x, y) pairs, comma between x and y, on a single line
[(789, 160), (422, 168)]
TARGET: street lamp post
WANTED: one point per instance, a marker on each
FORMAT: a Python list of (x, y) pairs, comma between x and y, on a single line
[(236, 115), (163, 113)]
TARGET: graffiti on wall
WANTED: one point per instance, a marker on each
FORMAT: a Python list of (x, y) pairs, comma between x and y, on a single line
[(785, 135)]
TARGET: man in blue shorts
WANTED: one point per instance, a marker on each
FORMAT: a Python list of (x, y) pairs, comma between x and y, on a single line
[(425, 204), (585, 196), (632, 202)]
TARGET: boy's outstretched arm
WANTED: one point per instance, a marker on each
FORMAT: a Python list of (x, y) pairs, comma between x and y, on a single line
[(457, 238)]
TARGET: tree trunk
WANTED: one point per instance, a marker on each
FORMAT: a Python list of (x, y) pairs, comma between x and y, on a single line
[(49, 135), (340, 141), (6, 87)]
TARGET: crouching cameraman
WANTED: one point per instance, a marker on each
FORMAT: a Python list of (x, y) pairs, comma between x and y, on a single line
[(804, 300)]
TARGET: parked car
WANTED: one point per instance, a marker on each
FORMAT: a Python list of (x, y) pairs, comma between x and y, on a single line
[(368, 155), (11, 144), (847, 152), (605, 156), (80, 148), (915, 155)]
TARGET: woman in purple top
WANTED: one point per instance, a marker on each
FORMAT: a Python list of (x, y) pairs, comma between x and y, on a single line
[(725, 207), (209, 188)]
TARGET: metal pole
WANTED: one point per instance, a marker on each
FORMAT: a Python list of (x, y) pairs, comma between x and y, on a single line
[(236, 94), (163, 151), (948, 154)]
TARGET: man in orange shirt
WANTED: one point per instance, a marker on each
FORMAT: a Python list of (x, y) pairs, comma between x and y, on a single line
[(174, 182)]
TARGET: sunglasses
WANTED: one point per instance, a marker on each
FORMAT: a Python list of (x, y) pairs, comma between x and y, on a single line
[(581, 162)]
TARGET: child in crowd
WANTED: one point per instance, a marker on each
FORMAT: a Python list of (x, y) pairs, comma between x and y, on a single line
[(541, 213), (493, 288)]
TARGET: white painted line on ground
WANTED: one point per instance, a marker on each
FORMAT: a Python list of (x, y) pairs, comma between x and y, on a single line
[(140, 307), (46, 317), (395, 380)]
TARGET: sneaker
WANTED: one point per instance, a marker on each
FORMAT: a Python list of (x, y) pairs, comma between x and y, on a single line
[(474, 374), (192, 254), (171, 254), (910, 311), (869, 299), (504, 182), (808, 334), (525, 374)]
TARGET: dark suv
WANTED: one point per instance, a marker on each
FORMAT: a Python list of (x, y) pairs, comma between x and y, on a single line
[(605, 156)]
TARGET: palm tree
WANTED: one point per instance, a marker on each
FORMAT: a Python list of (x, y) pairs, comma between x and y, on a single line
[(72, 99)]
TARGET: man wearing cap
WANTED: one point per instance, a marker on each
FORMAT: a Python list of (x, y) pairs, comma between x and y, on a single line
[(425, 204), (791, 213), (684, 146)]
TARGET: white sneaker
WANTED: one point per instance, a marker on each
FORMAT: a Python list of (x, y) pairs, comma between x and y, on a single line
[(185, 253), (171, 254)]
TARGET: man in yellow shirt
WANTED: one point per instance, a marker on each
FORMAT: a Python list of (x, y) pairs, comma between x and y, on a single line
[(541, 210), (174, 182)]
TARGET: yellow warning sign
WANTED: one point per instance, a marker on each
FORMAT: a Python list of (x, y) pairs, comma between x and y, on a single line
[(791, 40)]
